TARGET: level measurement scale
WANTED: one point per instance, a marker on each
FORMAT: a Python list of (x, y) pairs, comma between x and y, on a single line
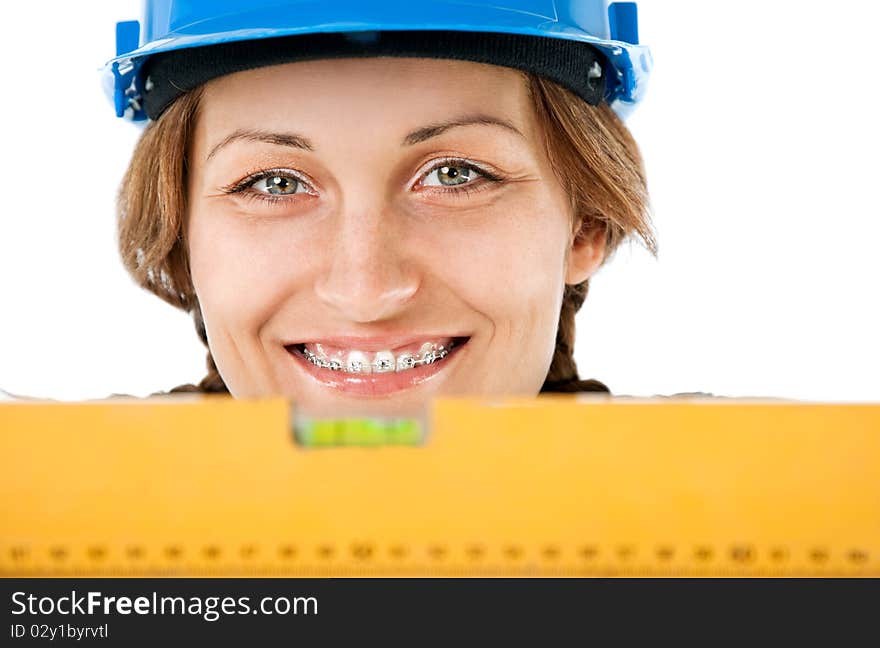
[(552, 486)]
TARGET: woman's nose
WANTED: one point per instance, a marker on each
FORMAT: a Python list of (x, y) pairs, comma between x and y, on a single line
[(369, 277)]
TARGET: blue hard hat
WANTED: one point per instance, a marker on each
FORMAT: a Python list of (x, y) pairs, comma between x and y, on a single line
[(174, 25)]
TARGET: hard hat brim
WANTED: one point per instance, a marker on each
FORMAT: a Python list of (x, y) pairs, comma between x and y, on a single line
[(630, 64)]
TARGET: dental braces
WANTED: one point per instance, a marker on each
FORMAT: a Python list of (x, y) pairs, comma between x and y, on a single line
[(379, 366)]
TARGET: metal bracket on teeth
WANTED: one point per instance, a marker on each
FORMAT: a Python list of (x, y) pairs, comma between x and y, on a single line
[(335, 365), (432, 356)]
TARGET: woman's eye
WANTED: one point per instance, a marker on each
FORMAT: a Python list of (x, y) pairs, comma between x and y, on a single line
[(279, 185), (450, 175)]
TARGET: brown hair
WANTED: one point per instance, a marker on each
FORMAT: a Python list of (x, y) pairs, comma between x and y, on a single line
[(592, 153)]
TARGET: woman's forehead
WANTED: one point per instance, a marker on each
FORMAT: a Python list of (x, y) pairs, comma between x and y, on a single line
[(384, 93)]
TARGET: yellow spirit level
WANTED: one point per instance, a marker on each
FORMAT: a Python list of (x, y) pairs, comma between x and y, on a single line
[(561, 485)]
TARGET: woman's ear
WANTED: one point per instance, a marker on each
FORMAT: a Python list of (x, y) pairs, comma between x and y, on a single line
[(585, 255)]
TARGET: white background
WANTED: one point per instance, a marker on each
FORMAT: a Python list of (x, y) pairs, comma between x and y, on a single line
[(761, 141)]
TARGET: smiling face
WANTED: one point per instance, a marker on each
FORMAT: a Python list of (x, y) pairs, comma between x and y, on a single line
[(366, 234)]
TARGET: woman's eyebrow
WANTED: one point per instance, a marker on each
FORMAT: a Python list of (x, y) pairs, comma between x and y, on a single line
[(433, 130), (295, 140), (251, 135)]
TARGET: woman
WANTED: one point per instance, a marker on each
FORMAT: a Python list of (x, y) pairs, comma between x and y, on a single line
[(363, 218)]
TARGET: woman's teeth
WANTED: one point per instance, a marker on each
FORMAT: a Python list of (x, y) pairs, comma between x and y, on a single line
[(360, 362)]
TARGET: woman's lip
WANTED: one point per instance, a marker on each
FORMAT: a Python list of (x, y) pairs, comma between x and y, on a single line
[(375, 384)]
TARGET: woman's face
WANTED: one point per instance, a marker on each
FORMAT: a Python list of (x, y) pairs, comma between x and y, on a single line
[(362, 213)]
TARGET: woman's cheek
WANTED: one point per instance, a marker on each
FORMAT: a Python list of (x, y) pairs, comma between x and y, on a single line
[(239, 284), (235, 272), (520, 255)]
